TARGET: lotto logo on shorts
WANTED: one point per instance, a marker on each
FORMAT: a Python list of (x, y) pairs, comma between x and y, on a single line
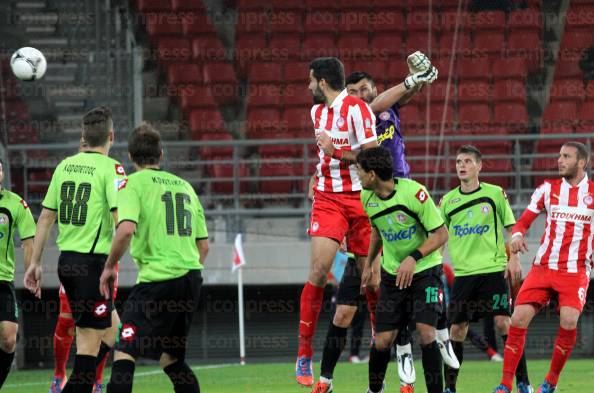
[(128, 332), (100, 310)]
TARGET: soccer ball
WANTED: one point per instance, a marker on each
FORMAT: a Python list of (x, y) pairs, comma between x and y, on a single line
[(28, 64)]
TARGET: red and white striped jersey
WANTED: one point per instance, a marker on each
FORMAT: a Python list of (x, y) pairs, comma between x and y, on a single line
[(566, 244), (350, 123)]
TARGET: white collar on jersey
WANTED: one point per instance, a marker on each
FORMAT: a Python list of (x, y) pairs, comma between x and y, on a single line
[(581, 183), (339, 98)]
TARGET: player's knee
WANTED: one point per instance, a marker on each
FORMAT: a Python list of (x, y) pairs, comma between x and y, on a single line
[(383, 341), (426, 334), (520, 320), (458, 331), (166, 360), (318, 275), (343, 317), (8, 342), (569, 322), (502, 324)]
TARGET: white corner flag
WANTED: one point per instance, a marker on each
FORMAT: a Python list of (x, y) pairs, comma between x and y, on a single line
[(238, 256), (238, 262)]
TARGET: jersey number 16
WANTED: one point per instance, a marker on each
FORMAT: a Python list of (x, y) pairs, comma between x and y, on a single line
[(183, 216)]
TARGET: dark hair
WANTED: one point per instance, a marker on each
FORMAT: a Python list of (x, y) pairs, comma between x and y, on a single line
[(377, 159), (470, 149), (97, 124), (330, 69), (582, 150), (357, 76), (144, 145)]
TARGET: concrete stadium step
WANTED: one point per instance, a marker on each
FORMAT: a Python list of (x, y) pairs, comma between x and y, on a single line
[(48, 42), (155, 108), (69, 92), (52, 78), (69, 105), (47, 29), (30, 5), (56, 68), (41, 18)]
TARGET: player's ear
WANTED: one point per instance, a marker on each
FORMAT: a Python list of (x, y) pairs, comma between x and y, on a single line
[(161, 156)]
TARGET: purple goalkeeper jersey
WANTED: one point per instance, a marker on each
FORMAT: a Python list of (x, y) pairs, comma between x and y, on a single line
[(390, 137)]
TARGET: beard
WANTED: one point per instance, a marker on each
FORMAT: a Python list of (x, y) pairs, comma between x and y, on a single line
[(569, 172), (318, 96)]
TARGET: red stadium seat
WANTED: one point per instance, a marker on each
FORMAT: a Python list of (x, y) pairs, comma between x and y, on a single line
[(219, 73), (315, 5), (579, 16), (438, 91), (449, 20), (567, 89), (267, 95), (296, 72), (208, 49), (389, 20), (353, 46), (354, 21), (509, 90), (519, 41), (397, 71), (576, 39), (286, 22), (488, 20), (446, 42), (377, 70), (153, 5), (388, 44), (474, 68), (474, 91), (490, 42), (225, 173), (171, 50), (265, 72), (249, 48), (184, 73), (251, 22), (322, 20), (474, 115), (281, 150), (297, 119), (252, 4), (411, 119), (297, 94), (436, 113), (561, 111), (511, 115), (514, 67), (198, 24), (187, 5), (420, 42), (586, 113), (262, 121), (162, 25), (204, 121), (590, 91), (568, 69), (277, 169), (195, 96), (548, 128), (418, 22), (316, 45), (525, 20), (285, 46)]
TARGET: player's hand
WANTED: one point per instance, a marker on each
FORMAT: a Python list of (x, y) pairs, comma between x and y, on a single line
[(518, 244), (32, 279), (325, 143), (421, 78), (418, 62), (513, 271), (405, 272), (366, 277), (108, 278)]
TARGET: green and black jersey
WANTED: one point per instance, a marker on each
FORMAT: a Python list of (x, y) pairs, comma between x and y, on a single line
[(476, 223), (15, 215)]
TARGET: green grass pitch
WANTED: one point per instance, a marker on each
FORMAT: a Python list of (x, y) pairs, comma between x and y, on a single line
[(475, 377)]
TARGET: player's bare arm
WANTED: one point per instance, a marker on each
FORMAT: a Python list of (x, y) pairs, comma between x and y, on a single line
[(120, 244), (203, 248), (27, 251), (310, 189), (372, 262), (513, 271), (405, 272), (325, 143), (32, 279)]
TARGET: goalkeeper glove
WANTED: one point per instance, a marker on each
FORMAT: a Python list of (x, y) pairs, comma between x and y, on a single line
[(421, 78), (418, 62)]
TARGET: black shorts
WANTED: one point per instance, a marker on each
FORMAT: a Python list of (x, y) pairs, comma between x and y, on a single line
[(479, 295), (79, 274), (349, 290), (422, 301), (9, 310), (157, 317)]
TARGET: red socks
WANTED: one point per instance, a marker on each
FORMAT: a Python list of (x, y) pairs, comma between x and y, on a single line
[(100, 367), (563, 346), (514, 348), (372, 297), (311, 304), (62, 344)]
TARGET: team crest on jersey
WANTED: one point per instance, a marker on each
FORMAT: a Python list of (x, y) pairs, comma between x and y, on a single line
[(385, 115), (3, 219), (340, 122), (120, 170), (470, 214), (401, 218), (485, 209), (588, 199), (455, 200), (24, 203)]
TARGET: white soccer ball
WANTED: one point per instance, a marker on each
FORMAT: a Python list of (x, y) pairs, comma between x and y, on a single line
[(28, 64)]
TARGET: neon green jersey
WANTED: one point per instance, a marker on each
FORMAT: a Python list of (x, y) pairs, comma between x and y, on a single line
[(14, 214), (83, 192), (403, 220), (475, 222), (169, 219)]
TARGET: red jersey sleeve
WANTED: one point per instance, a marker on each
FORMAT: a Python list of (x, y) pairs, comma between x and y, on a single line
[(362, 120)]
